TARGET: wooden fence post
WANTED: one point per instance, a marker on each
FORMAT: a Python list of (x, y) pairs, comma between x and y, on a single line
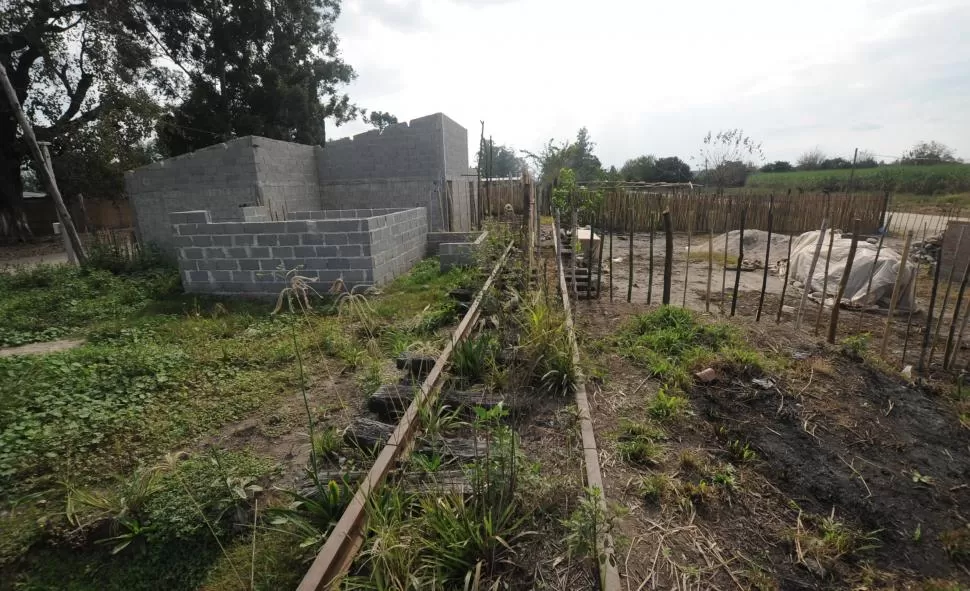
[(764, 279), (956, 316), (710, 259), (668, 256), (629, 287), (894, 299), (834, 321), (737, 274), (811, 273)]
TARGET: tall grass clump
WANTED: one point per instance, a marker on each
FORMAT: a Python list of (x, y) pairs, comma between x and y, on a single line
[(544, 346)]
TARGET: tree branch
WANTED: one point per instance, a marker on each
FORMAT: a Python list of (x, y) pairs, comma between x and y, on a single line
[(77, 97), (69, 9)]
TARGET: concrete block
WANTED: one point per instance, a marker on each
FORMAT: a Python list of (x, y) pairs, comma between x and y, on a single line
[(267, 239), (243, 240), (220, 276), (282, 252), (222, 240), (226, 265), (197, 276), (248, 265), (269, 264), (259, 252), (338, 263), (192, 253), (214, 252), (242, 276), (201, 240), (328, 251), (304, 251), (312, 239), (289, 239), (336, 238), (189, 217)]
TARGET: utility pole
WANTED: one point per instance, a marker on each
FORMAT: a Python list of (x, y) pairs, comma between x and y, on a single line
[(47, 172)]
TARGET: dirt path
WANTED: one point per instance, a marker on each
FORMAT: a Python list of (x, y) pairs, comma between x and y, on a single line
[(41, 348)]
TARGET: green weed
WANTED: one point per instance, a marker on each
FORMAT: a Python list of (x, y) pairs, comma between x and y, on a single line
[(665, 406)]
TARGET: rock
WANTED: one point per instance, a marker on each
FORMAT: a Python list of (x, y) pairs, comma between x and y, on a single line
[(707, 375), (764, 383), (788, 309)]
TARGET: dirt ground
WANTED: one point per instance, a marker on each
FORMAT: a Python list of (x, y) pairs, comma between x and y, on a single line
[(41, 348), (47, 251), (835, 439)]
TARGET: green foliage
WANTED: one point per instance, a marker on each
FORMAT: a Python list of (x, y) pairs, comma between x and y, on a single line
[(544, 346), (855, 346), (638, 443), (578, 156), (474, 357), (665, 406), (283, 88), (45, 302), (740, 452), (313, 514), (669, 342), (567, 195), (380, 119), (650, 169), (934, 179), (588, 527), (497, 161)]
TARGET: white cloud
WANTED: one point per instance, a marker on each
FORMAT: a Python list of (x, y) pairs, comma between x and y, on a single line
[(654, 78)]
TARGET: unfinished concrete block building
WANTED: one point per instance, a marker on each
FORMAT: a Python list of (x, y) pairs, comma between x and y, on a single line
[(239, 215), (421, 163)]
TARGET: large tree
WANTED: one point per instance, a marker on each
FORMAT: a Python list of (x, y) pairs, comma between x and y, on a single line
[(93, 75), (577, 156), (72, 63), (499, 161), (924, 153), (259, 67), (723, 154)]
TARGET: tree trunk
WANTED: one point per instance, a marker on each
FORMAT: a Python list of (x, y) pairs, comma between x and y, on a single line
[(13, 220)]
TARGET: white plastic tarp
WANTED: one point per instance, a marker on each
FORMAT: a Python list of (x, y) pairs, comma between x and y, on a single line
[(883, 279)]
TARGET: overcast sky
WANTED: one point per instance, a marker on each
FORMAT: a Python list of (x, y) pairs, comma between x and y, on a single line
[(654, 77)]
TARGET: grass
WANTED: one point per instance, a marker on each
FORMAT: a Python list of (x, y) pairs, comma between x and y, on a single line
[(937, 179), (639, 443), (157, 371)]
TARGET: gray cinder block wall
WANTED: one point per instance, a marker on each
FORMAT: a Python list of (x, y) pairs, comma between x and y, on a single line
[(360, 247), (222, 179), (405, 165), (423, 163)]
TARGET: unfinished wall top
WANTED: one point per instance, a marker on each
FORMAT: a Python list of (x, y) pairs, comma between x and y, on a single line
[(431, 146)]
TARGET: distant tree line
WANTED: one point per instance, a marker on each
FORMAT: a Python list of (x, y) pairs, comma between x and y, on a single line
[(921, 154)]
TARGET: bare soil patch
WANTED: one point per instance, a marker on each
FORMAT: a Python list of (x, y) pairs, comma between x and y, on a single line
[(41, 348), (835, 441)]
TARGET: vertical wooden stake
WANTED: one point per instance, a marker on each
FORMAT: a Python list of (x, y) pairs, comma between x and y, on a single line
[(959, 341), (653, 224), (629, 287), (710, 259), (599, 262), (872, 272), (737, 273), (811, 274), (764, 279), (727, 214), (612, 223), (668, 255), (956, 316), (894, 299), (784, 287), (929, 315), (690, 228), (912, 308), (825, 281), (834, 321), (590, 257), (946, 293)]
